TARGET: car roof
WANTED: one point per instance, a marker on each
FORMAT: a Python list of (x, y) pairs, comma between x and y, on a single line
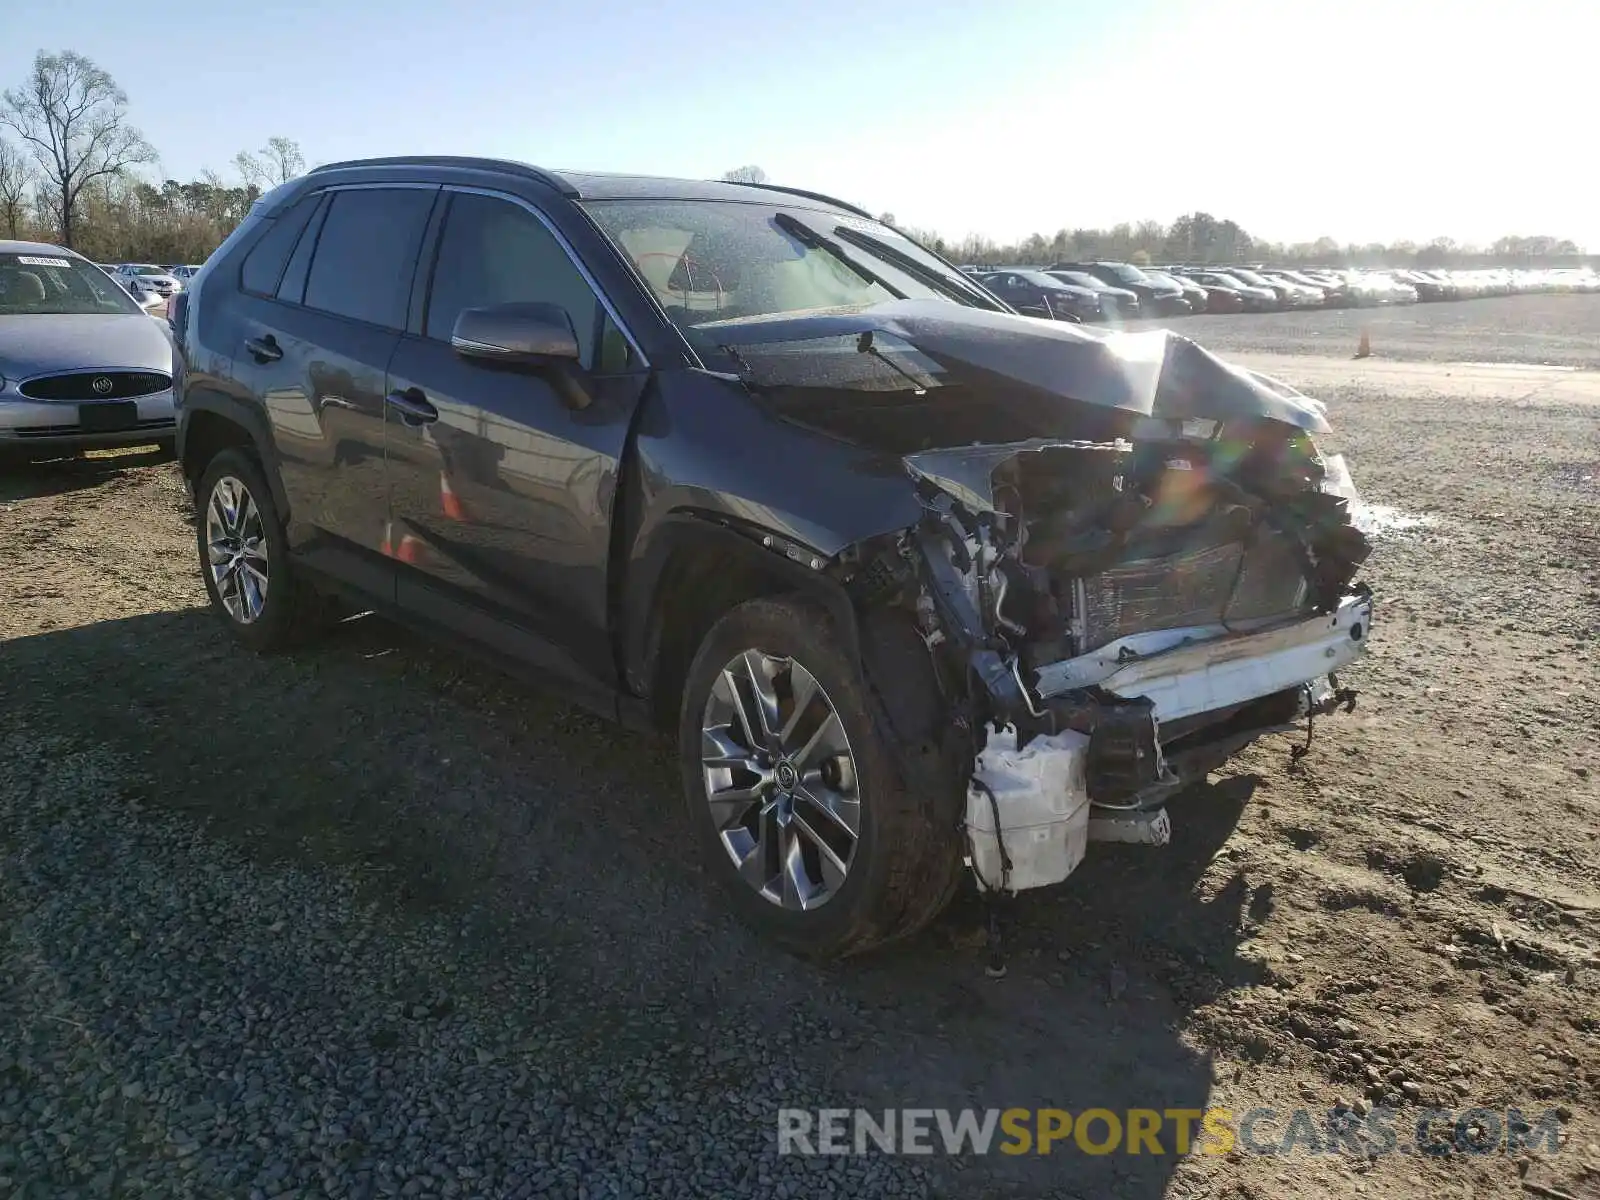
[(602, 185), (35, 248), (1025, 271)]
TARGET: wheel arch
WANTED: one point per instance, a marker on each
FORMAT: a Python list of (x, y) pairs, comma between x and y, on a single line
[(213, 422), (695, 569)]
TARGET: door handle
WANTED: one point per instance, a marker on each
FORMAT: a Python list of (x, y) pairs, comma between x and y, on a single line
[(412, 406), (264, 349)]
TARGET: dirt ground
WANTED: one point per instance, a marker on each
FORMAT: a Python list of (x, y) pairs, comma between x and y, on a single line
[(1412, 919)]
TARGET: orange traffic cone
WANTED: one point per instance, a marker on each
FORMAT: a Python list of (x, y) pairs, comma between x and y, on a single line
[(408, 549), (449, 501), (1364, 348)]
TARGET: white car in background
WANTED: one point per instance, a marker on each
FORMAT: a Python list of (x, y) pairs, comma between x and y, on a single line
[(183, 272), (146, 299), (146, 277)]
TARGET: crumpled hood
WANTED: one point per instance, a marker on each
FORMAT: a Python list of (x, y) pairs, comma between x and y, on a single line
[(1154, 373), (44, 343)]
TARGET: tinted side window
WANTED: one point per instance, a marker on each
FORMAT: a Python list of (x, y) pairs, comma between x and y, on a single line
[(367, 253), (293, 287), (263, 266), (496, 252)]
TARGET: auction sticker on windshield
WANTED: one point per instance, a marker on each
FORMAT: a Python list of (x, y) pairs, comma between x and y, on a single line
[(872, 227), (43, 262)]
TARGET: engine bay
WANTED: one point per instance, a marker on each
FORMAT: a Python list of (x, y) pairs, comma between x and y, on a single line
[(1041, 564)]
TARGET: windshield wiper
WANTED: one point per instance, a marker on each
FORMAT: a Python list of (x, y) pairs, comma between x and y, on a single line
[(940, 282), (808, 236)]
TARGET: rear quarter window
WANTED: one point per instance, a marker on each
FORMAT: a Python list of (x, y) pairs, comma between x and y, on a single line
[(293, 288), (264, 264)]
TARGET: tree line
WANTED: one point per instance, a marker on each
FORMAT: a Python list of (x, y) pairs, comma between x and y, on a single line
[(1199, 237), (71, 164), (70, 173)]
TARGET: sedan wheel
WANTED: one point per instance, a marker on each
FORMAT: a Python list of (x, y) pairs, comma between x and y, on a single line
[(780, 780), (236, 549)]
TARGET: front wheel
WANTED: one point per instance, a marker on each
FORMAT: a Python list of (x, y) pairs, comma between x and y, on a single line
[(800, 803)]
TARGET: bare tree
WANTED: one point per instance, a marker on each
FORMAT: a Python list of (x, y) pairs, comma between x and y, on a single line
[(73, 118), (277, 162), (16, 178), (747, 174), (251, 172)]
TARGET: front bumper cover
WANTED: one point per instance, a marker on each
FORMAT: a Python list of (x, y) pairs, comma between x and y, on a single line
[(53, 424), (1184, 672)]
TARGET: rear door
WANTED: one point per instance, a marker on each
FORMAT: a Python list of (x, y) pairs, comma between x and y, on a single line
[(502, 501), (317, 343)]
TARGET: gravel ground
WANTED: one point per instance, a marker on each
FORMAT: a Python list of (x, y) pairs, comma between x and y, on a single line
[(364, 922)]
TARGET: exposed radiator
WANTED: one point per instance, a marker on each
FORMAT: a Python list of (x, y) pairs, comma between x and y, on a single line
[(1208, 585)]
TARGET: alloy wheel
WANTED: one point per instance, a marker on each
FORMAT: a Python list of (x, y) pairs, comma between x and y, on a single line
[(236, 549), (780, 779)]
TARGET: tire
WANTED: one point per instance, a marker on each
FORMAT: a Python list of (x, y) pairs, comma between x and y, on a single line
[(290, 610), (905, 858)]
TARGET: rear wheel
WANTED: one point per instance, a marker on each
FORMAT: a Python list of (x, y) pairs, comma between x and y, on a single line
[(800, 802), (244, 557)]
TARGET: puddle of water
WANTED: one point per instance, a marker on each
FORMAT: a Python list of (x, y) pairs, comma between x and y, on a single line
[(1516, 366), (1383, 520), (1374, 520)]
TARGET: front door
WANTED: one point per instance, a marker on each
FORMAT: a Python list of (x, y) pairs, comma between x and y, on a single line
[(502, 479)]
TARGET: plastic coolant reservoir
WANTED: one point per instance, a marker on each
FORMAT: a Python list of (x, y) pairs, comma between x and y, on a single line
[(1043, 801)]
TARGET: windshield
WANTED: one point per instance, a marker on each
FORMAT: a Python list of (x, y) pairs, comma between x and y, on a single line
[(1127, 273), (148, 271), (58, 285), (1252, 278), (1163, 277), (716, 260)]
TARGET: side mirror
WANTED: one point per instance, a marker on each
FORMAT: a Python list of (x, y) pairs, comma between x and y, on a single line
[(525, 332)]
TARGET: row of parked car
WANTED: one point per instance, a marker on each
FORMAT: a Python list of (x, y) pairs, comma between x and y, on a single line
[(148, 283), (1107, 291)]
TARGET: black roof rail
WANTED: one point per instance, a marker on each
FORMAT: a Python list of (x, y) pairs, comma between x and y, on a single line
[(794, 191), (504, 165)]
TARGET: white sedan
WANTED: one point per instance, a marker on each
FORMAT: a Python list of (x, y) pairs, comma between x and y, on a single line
[(145, 277)]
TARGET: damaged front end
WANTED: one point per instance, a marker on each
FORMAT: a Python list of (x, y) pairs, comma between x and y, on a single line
[(1136, 611), (1112, 614)]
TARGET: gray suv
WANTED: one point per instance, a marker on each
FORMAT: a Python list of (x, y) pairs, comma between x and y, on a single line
[(898, 567)]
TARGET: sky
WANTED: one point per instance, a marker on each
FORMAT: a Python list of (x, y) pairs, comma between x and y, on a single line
[(1358, 120)]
